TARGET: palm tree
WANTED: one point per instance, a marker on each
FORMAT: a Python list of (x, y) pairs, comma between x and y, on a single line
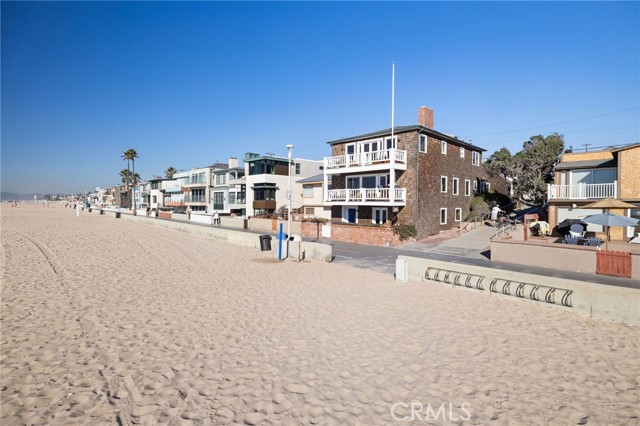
[(170, 172), (130, 155), (125, 175)]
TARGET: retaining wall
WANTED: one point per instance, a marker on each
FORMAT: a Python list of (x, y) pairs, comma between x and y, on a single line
[(611, 303), (267, 225), (372, 235), (312, 250)]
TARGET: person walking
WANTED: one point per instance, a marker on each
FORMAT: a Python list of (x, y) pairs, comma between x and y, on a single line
[(216, 218), (495, 212)]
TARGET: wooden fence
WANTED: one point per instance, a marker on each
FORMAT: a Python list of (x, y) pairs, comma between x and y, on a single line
[(616, 263)]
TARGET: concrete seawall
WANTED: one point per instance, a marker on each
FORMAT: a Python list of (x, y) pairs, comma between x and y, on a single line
[(313, 250), (616, 304)]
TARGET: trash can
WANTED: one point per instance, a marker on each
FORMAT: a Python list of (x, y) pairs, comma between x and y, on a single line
[(265, 242), (117, 215), (101, 211)]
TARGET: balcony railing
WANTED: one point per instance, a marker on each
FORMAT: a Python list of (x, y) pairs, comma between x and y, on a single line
[(387, 156), (582, 191), (367, 195), (195, 199)]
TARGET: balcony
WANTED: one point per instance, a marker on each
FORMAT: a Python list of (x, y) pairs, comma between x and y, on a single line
[(174, 203), (195, 199), (366, 161), (367, 196), (582, 191)]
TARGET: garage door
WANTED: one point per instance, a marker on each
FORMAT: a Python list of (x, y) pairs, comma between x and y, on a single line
[(571, 213)]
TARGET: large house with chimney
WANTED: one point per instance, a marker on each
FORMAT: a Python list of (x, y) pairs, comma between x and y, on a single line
[(411, 175)]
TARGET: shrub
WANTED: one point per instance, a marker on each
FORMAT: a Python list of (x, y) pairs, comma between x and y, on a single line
[(405, 231)]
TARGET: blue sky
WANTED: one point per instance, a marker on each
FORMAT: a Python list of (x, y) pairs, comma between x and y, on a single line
[(191, 83)]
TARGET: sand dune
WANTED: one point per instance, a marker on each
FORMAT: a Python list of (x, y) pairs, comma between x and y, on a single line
[(109, 321)]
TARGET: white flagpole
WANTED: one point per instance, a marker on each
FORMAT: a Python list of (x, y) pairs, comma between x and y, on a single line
[(393, 94)]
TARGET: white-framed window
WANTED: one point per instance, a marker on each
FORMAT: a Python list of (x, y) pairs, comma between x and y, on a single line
[(475, 185), (455, 184), (462, 152), (475, 158), (443, 216), (390, 143), (307, 192), (367, 181), (221, 179), (443, 184), (443, 147), (458, 214), (422, 146), (467, 187), (379, 215), (350, 148)]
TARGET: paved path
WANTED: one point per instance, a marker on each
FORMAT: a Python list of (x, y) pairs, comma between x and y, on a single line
[(470, 249)]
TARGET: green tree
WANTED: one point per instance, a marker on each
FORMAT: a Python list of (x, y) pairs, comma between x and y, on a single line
[(125, 176), (130, 155), (170, 172), (531, 169)]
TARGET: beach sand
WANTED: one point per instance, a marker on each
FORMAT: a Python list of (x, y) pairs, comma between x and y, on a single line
[(109, 321)]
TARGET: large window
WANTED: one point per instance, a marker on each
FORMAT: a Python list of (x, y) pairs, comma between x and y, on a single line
[(592, 176), (379, 216), (265, 192), (367, 181), (232, 198), (390, 142), (221, 179), (218, 200), (308, 192)]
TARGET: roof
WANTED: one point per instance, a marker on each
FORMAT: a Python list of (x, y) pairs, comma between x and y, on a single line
[(622, 148), (265, 157), (313, 179), (405, 129), (218, 166), (587, 164)]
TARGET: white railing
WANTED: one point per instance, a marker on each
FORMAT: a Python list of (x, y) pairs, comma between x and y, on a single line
[(582, 191), (398, 195), (366, 159)]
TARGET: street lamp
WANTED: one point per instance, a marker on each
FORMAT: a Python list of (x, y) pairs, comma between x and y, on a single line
[(289, 149)]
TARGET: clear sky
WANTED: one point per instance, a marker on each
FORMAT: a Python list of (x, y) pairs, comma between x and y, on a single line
[(190, 83)]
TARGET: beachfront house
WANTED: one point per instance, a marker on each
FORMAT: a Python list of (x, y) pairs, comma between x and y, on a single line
[(198, 188), (173, 196), (413, 175), (313, 204), (267, 182), (228, 189), (585, 177)]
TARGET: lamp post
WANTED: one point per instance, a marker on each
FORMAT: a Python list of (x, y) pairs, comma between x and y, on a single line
[(289, 195)]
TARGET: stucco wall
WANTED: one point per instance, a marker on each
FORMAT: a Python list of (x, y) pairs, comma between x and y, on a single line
[(557, 256)]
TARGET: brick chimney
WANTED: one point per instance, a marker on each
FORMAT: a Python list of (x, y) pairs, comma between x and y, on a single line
[(425, 117)]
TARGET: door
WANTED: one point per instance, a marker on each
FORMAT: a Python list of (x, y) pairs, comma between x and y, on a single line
[(352, 215)]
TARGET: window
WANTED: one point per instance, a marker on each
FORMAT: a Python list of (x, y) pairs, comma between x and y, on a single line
[(155, 199), (309, 210), (218, 200), (351, 149), (232, 198), (475, 158), (423, 143), (467, 187), (462, 152), (308, 192), (487, 187), (443, 184), (297, 168), (221, 179), (443, 216), (454, 191), (443, 147), (458, 214), (390, 143), (475, 186), (379, 216), (155, 185)]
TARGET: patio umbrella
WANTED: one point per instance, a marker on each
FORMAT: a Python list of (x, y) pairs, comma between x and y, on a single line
[(610, 203), (608, 220)]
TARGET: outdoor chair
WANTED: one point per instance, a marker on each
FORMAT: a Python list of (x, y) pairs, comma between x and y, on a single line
[(594, 242), (570, 239)]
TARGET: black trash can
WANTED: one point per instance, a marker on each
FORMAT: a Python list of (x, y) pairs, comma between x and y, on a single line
[(117, 215), (101, 211), (265, 242)]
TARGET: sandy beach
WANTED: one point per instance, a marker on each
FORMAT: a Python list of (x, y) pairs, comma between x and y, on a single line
[(109, 321)]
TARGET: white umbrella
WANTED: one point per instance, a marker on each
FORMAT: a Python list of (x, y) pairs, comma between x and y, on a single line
[(609, 220)]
